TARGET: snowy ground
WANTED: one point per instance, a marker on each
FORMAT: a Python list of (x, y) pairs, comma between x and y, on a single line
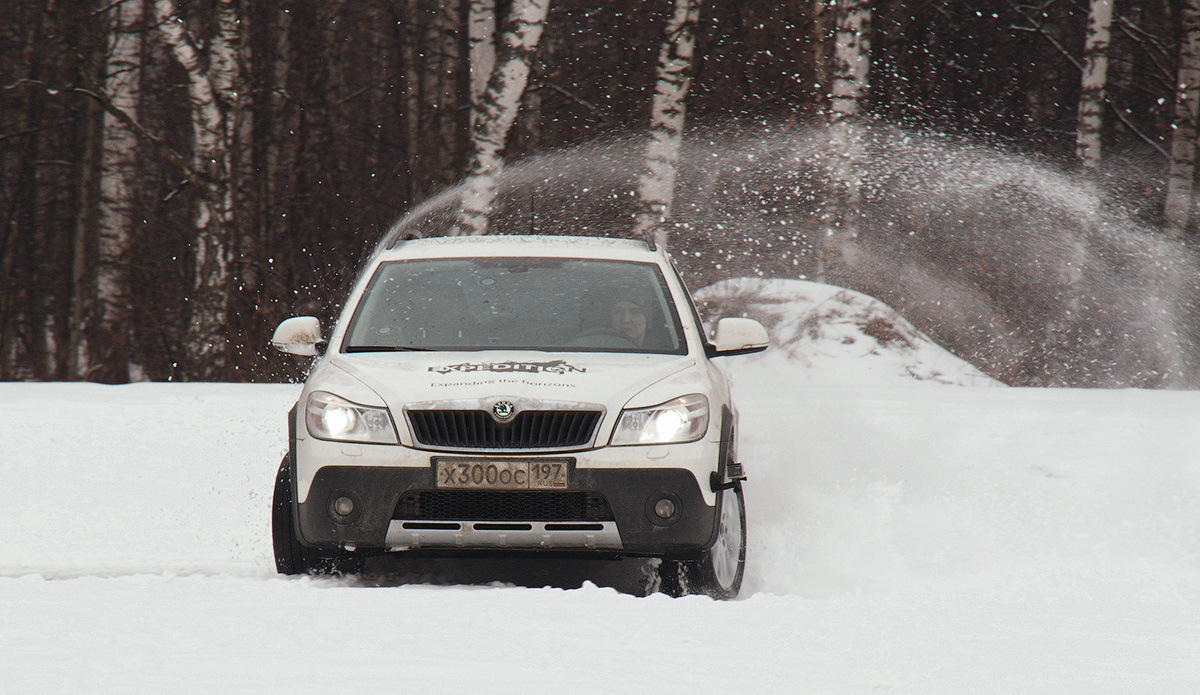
[(906, 536)]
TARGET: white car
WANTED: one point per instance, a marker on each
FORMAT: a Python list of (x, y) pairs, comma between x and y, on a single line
[(520, 394)]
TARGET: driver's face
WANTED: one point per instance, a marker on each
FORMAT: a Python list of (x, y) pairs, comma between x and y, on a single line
[(629, 318)]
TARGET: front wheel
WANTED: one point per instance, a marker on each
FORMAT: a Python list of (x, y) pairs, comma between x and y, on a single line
[(719, 571), (291, 556)]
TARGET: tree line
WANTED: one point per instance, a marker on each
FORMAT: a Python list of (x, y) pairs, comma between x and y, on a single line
[(176, 176)]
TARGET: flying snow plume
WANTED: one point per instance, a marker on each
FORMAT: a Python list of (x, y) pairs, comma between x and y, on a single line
[(1033, 275)]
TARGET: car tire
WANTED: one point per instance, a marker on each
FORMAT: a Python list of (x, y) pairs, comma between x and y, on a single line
[(291, 556), (719, 571)]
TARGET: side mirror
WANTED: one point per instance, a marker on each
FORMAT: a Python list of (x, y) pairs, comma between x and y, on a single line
[(299, 335), (738, 337)]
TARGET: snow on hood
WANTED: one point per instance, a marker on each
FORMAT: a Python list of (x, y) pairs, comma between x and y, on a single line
[(538, 379), (837, 334)]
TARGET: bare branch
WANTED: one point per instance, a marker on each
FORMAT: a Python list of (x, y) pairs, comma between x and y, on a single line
[(1036, 26), (164, 150), (360, 91), (96, 91), (106, 8), (1041, 29), (595, 110)]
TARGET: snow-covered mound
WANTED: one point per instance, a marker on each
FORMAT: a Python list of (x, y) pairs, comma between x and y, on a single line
[(837, 334)]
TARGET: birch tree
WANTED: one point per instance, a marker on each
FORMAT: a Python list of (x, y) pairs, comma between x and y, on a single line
[(213, 94), (1177, 208), (851, 68), (1093, 84), (92, 73), (444, 83), (481, 31), (282, 148), (851, 61), (497, 110), (824, 19), (656, 184), (1088, 147), (116, 217)]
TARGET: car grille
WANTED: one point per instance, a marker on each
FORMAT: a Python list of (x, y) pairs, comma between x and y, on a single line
[(494, 505), (530, 429)]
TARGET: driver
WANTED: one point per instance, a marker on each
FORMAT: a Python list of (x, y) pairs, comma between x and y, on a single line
[(629, 317)]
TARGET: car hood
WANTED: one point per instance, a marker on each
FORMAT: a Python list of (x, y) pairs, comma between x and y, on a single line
[(533, 379)]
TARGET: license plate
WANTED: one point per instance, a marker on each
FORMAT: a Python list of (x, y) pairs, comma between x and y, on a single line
[(502, 474)]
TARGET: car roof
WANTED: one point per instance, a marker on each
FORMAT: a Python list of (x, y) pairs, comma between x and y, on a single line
[(519, 245)]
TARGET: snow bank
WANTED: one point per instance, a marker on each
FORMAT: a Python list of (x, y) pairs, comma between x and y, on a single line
[(836, 335)]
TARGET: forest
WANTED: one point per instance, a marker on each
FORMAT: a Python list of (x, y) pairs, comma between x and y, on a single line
[(1016, 177)]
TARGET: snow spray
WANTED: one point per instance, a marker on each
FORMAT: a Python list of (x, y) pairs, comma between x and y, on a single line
[(1035, 275)]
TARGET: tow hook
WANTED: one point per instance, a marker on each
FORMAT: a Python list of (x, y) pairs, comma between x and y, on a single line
[(736, 475)]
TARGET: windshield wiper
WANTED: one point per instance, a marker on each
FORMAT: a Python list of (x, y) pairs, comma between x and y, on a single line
[(386, 348)]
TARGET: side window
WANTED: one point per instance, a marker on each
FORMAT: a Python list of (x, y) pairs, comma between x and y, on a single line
[(700, 325)]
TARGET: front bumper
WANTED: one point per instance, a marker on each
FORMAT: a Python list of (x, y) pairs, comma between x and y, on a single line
[(613, 513)]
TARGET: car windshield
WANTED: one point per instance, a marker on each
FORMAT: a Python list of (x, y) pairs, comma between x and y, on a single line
[(517, 303)]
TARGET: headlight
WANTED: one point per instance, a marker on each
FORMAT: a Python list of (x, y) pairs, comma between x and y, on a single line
[(331, 417), (681, 420)]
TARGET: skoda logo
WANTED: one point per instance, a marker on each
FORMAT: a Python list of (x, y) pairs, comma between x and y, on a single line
[(504, 411)]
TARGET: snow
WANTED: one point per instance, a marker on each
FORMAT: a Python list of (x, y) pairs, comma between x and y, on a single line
[(837, 335), (907, 535)]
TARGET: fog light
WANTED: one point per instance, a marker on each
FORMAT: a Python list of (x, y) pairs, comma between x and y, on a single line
[(664, 508), (343, 506)]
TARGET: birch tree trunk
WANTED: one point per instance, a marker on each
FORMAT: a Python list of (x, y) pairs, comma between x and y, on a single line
[(281, 152), (851, 68), (83, 285), (481, 28), (14, 295), (117, 215), (851, 59), (228, 52), (206, 343), (451, 80), (1177, 208), (84, 233), (1093, 84), (438, 64), (656, 184), (1062, 327), (496, 112), (824, 20), (412, 101)]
